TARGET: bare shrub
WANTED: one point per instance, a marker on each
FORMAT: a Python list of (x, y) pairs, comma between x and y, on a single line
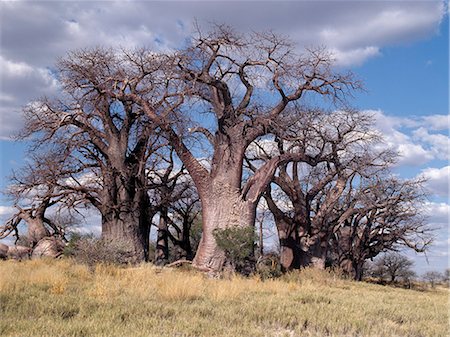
[(92, 251)]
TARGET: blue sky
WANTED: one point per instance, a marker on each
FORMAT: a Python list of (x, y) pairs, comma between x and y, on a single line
[(398, 49)]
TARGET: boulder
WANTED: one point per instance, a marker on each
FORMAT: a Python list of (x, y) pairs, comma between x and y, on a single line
[(3, 251), (48, 247), (19, 253)]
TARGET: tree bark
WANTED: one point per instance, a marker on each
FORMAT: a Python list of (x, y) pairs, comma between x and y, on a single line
[(125, 219), (36, 230), (130, 230), (162, 240), (290, 253), (124, 201), (222, 208)]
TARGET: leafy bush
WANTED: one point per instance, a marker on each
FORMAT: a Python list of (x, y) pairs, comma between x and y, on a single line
[(238, 244), (269, 266)]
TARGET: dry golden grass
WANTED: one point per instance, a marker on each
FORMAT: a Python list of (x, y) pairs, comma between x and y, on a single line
[(61, 298)]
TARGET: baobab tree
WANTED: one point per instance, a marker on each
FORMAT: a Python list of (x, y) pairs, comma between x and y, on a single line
[(394, 265), (308, 195), (246, 83), (114, 102), (379, 214), (174, 199), (107, 140), (35, 193)]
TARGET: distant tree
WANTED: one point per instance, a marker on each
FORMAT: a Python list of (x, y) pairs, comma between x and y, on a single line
[(175, 199), (433, 277), (344, 138), (46, 209), (446, 276), (346, 209), (394, 266), (378, 214)]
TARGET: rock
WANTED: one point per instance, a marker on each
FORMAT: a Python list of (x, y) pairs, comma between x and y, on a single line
[(48, 247), (19, 253), (3, 251)]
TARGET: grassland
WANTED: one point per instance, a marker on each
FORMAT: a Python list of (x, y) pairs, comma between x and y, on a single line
[(48, 298)]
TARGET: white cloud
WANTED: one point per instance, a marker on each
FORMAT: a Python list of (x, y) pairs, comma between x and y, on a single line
[(356, 56), (35, 34), (6, 211), (21, 82), (14, 68), (437, 256), (411, 154), (418, 140), (437, 122), (438, 144), (437, 213), (437, 180)]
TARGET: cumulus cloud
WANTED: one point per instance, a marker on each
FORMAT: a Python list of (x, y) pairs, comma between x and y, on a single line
[(418, 140), (410, 153), (437, 143), (35, 34), (355, 56), (437, 122), (437, 180), (21, 82), (438, 213)]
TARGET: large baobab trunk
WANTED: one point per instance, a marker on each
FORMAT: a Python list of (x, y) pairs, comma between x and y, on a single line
[(125, 204), (223, 202), (125, 217), (222, 208), (127, 229)]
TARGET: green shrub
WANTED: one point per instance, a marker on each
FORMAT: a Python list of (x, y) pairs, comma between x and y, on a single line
[(269, 266), (238, 244)]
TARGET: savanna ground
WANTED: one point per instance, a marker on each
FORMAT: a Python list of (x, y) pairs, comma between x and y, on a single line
[(48, 298)]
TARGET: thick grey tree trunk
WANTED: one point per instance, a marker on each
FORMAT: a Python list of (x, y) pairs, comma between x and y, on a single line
[(224, 208), (129, 231), (125, 212), (162, 240), (224, 204)]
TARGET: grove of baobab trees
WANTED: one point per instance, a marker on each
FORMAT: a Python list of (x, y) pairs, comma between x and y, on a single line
[(248, 119)]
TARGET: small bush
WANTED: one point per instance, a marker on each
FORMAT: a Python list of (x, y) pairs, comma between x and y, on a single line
[(238, 244), (269, 267), (71, 247), (91, 251)]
